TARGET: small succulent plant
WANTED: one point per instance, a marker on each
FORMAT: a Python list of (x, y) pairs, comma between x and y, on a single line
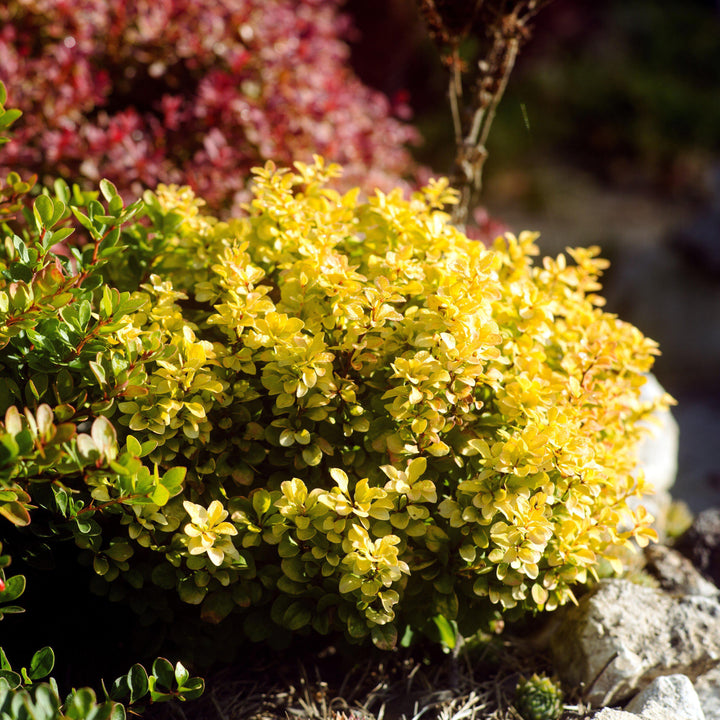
[(539, 698)]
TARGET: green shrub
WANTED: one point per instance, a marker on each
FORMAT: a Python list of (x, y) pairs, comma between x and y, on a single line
[(32, 695), (327, 414)]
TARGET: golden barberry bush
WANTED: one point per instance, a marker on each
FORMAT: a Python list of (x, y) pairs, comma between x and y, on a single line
[(331, 414)]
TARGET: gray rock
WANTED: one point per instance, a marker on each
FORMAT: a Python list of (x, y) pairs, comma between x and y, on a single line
[(668, 697), (611, 714), (622, 636), (707, 687), (657, 456), (676, 574)]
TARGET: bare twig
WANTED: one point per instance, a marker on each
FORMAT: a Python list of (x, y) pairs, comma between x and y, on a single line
[(501, 27)]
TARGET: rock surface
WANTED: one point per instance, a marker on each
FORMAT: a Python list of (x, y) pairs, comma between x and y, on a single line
[(657, 456), (611, 714), (676, 574), (622, 636), (668, 697), (700, 543), (708, 689)]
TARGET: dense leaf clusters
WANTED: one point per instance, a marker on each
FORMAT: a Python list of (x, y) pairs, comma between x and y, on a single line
[(327, 413), (191, 91)]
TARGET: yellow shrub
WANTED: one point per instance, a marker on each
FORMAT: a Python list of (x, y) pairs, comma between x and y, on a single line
[(380, 419)]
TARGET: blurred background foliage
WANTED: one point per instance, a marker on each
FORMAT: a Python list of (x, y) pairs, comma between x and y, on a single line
[(625, 89)]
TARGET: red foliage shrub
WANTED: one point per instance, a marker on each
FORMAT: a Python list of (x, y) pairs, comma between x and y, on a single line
[(193, 92)]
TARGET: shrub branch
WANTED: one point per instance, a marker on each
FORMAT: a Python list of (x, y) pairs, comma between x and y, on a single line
[(501, 27)]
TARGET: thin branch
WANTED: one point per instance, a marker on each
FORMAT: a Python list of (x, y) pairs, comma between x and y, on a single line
[(511, 56), (503, 24), (455, 93)]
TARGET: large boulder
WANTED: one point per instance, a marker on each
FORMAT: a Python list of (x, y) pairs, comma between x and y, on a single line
[(708, 690), (668, 697), (676, 574), (622, 636)]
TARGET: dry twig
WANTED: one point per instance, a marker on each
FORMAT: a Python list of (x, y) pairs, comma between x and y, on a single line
[(476, 88)]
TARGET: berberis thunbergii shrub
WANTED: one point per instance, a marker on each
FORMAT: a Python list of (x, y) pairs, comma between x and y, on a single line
[(329, 413)]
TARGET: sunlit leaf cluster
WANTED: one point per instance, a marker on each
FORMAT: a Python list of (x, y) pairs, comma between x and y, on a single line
[(326, 413)]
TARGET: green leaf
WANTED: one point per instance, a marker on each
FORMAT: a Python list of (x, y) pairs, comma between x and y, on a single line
[(11, 610), (84, 313), (192, 689), (447, 630), (100, 565), (160, 495), (42, 663), (356, 626), (9, 117), (297, 616), (341, 478), (85, 221), (106, 303), (162, 669), (408, 637), (349, 582), (98, 371), (164, 576), (261, 502), (14, 679), (173, 480), (217, 606), (47, 702), (61, 499), (21, 249), (156, 696), (133, 446), (117, 712), (16, 513), (119, 551), (294, 568), (80, 703), (44, 211), (62, 190), (108, 190), (4, 662), (87, 448), (181, 674), (137, 682), (119, 690), (14, 588), (384, 636), (61, 234), (191, 593), (312, 455)]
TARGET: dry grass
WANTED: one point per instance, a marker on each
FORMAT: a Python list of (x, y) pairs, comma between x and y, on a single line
[(478, 685)]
